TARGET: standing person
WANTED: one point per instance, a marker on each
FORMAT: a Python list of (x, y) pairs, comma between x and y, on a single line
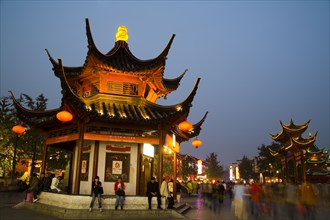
[(97, 190), (34, 186), (171, 187), (178, 191), (165, 192), (119, 188), (153, 190), (221, 191)]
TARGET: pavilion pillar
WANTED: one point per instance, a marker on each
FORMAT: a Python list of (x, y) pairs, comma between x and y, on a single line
[(160, 153), (80, 143), (44, 157), (174, 174)]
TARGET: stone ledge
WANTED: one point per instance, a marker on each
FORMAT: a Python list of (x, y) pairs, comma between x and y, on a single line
[(83, 201), (64, 213)]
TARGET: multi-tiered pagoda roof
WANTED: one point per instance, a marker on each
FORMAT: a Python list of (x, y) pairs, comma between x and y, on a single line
[(117, 88)]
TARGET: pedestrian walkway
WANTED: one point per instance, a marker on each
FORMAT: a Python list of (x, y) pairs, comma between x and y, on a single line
[(202, 211)]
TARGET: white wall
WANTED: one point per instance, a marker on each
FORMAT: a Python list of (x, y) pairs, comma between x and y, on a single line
[(85, 186)]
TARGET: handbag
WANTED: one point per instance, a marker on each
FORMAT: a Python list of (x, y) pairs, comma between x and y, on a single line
[(120, 192), (100, 191)]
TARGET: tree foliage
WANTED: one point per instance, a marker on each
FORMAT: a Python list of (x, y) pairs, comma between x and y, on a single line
[(214, 170), (246, 168), (267, 163), (29, 144), (187, 167)]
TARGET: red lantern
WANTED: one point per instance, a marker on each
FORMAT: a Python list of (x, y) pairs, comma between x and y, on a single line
[(18, 129), (196, 143), (185, 126), (64, 116)]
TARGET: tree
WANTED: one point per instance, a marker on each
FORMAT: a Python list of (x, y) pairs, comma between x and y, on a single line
[(33, 139), (30, 144), (246, 169), (186, 167), (214, 169), (267, 163), (7, 121)]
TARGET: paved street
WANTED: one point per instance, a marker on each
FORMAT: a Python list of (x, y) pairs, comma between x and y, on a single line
[(7, 211), (200, 210)]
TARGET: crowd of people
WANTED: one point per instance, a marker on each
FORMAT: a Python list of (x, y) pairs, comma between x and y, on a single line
[(45, 182), (252, 199), (277, 200)]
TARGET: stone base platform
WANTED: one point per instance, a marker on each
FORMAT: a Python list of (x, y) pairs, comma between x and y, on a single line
[(65, 206)]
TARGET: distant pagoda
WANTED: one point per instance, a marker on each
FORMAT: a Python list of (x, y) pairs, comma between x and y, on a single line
[(292, 148), (317, 163), (117, 128)]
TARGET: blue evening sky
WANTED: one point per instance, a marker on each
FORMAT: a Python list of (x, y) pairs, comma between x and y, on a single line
[(259, 61)]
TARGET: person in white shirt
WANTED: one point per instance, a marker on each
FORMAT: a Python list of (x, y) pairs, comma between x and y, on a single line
[(54, 184)]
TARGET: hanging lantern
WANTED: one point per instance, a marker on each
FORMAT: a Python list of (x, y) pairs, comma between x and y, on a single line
[(18, 129), (196, 143), (64, 116), (185, 126)]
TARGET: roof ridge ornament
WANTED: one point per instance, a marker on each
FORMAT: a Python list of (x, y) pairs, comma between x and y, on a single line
[(122, 34)]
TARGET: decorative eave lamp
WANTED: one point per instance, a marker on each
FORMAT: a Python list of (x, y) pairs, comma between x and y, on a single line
[(64, 116), (185, 126), (19, 129), (197, 143)]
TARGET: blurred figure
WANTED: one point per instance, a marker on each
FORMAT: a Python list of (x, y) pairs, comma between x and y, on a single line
[(254, 191), (34, 186), (239, 191), (178, 191), (190, 188), (307, 197), (221, 191), (291, 198)]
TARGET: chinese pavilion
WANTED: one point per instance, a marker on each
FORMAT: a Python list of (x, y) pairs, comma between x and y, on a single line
[(117, 129), (292, 149), (317, 162)]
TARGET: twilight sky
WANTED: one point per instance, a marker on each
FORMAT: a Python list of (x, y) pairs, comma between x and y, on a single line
[(259, 61)]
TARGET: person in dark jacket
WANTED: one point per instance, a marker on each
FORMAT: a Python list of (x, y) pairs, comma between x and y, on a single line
[(97, 190), (153, 190), (34, 186)]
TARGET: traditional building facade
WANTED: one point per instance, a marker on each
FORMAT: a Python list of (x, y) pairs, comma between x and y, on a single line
[(293, 147), (117, 128)]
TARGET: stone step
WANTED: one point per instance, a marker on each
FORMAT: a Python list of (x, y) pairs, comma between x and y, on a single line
[(182, 208), (126, 214)]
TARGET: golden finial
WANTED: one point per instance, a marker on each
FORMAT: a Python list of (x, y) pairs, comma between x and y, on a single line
[(122, 34)]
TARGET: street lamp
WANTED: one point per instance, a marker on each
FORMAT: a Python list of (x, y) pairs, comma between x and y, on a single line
[(18, 129)]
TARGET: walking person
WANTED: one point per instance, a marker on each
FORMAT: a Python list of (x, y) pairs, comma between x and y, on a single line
[(97, 191), (153, 190), (119, 188), (178, 191)]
